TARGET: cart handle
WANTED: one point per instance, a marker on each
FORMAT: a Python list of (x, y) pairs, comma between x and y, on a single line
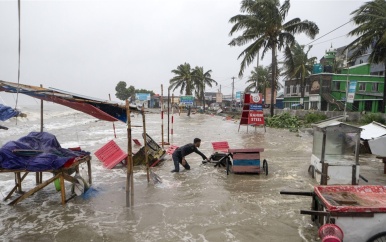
[(317, 213), (297, 193), (360, 176)]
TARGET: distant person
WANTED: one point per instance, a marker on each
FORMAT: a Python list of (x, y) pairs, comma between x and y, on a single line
[(181, 152)]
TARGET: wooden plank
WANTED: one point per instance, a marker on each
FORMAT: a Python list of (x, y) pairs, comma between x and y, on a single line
[(246, 169), (35, 189), (253, 150), (62, 188), (246, 156), (246, 162), (15, 187)]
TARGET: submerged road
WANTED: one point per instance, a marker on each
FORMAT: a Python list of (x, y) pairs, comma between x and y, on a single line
[(202, 204)]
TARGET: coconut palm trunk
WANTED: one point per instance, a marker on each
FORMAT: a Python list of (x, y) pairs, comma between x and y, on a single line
[(273, 82)]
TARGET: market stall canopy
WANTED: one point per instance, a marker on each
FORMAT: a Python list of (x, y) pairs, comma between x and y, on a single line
[(98, 108), (375, 134), (373, 130)]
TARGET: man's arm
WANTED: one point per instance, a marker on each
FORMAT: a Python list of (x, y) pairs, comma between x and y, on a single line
[(199, 152)]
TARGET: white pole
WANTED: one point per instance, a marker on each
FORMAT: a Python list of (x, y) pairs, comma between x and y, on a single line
[(345, 103)]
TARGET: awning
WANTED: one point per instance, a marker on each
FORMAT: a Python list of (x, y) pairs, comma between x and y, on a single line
[(98, 108), (373, 130)]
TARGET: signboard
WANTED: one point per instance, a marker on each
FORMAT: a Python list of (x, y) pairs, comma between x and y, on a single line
[(187, 100), (252, 110), (351, 91), (218, 97), (142, 96), (238, 96), (256, 107), (268, 96), (314, 98), (256, 118)]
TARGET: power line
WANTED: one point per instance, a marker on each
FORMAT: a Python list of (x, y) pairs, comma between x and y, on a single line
[(329, 32)]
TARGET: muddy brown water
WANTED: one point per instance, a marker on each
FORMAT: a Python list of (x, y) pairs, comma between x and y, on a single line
[(202, 204)]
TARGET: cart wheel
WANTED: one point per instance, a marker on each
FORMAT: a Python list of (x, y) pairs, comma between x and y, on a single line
[(311, 171), (265, 166), (378, 237)]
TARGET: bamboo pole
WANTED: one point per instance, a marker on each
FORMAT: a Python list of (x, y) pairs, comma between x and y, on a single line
[(162, 116), (115, 134), (145, 142), (39, 175), (129, 162), (168, 115)]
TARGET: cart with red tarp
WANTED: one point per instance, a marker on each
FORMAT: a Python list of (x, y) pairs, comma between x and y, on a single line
[(357, 213)]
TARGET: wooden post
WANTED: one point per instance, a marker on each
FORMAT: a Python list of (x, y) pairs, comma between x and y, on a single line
[(168, 114), (115, 134), (323, 179), (162, 117), (145, 143), (129, 162), (39, 175)]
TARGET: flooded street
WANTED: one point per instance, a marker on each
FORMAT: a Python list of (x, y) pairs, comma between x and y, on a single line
[(202, 204)]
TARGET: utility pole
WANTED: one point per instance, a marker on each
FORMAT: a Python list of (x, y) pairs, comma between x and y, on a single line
[(233, 87)]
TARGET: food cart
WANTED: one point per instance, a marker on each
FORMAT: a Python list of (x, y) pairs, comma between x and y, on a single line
[(351, 213), (335, 153)]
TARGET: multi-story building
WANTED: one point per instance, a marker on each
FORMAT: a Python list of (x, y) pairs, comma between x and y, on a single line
[(325, 89)]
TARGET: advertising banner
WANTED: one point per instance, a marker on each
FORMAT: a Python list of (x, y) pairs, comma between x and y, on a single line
[(187, 100), (256, 98), (218, 97), (142, 96), (351, 91), (238, 96), (268, 96)]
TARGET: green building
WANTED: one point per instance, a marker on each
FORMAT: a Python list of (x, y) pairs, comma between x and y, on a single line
[(326, 91)]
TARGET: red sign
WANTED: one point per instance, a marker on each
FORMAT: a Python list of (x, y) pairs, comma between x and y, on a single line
[(256, 98), (256, 117)]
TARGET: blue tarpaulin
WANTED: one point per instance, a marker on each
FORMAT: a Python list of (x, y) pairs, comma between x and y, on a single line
[(41, 152), (7, 112)]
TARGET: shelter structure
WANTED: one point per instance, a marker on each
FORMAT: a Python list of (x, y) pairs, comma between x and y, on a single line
[(335, 153)]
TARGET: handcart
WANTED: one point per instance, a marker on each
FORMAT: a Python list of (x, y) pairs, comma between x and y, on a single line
[(335, 153), (348, 212), (240, 161)]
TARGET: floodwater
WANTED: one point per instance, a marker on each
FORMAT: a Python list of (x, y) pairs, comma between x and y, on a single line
[(202, 204)]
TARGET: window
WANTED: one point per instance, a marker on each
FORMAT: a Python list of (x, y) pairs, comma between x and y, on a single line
[(288, 90), (307, 88), (294, 89), (375, 87), (336, 86), (362, 86)]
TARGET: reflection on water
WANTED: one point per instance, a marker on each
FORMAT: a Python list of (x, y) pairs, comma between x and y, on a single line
[(202, 204)]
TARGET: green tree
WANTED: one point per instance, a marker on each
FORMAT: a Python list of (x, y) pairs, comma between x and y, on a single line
[(297, 64), (182, 79), (263, 26), (370, 19), (201, 79), (123, 93), (260, 77)]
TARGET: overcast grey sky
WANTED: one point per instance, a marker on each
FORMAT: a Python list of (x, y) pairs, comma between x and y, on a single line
[(87, 47)]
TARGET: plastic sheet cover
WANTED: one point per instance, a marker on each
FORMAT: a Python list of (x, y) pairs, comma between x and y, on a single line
[(38, 151)]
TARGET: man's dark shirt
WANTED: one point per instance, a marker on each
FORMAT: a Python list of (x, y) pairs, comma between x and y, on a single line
[(188, 149)]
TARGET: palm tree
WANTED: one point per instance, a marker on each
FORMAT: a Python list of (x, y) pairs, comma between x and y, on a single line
[(182, 79), (200, 80), (297, 64), (263, 25), (258, 79), (371, 29)]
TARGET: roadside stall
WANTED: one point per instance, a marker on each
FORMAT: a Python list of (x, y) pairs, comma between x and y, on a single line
[(335, 153)]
